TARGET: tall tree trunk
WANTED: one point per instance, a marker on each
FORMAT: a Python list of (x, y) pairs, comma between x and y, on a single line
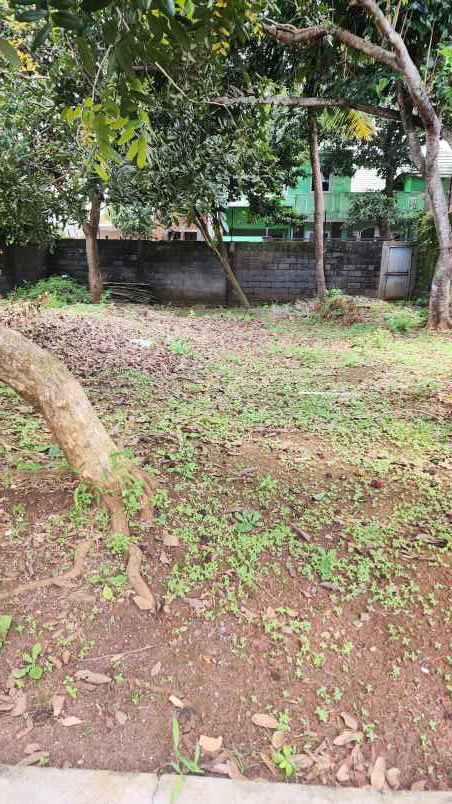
[(91, 230), (439, 309), (43, 381), (217, 245), (319, 207), (384, 227)]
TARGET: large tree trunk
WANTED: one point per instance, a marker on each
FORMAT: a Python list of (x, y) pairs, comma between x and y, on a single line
[(439, 309), (319, 207), (43, 381), (91, 230), (218, 247)]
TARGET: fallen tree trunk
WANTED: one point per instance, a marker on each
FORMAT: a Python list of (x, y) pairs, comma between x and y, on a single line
[(45, 382)]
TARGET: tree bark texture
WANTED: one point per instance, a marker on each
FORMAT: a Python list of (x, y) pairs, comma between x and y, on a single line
[(91, 230), (218, 247), (45, 382), (319, 207)]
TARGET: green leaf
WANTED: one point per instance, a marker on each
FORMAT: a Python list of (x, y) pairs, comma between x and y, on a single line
[(107, 594), (167, 6), (95, 5), (176, 788), (35, 672), (36, 651), (126, 136), (41, 36), (132, 152), (31, 16), (86, 56), (21, 673), (63, 19), (176, 732), (142, 151), (101, 172), (5, 625), (9, 52)]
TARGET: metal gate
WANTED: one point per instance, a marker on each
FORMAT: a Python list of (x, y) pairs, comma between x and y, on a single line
[(398, 270)]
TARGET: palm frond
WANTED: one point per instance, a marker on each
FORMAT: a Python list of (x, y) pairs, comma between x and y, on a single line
[(348, 124)]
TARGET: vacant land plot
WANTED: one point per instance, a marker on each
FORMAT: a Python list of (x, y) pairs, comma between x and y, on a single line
[(301, 551)]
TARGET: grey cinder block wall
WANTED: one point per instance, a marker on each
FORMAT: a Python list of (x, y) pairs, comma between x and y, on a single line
[(189, 273)]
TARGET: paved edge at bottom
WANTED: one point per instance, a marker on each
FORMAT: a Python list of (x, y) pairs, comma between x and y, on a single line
[(28, 785)]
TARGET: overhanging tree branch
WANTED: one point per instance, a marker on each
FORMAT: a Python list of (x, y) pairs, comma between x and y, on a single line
[(295, 101), (290, 35)]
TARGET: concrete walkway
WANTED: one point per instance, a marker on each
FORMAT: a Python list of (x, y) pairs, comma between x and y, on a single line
[(53, 786)]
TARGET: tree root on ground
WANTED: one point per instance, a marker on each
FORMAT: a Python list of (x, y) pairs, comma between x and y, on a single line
[(144, 598), (80, 553)]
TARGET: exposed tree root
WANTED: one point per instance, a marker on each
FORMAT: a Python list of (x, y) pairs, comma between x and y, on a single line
[(80, 553), (144, 598)]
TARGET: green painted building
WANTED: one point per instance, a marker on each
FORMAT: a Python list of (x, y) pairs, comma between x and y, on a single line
[(338, 191)]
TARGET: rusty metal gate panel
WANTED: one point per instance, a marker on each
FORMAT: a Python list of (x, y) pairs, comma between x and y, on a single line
[(398, 270)]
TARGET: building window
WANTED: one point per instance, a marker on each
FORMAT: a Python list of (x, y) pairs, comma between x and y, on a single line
[(368, 234), (190, 236), (174, 235), (298, 233), (325, 182), (336, 231)]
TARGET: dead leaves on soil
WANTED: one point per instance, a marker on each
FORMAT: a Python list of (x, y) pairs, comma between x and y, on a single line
[(92, 678), (264, 721), (210, 745)]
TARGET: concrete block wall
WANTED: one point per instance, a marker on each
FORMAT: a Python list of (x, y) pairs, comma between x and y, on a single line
[(189, 273)]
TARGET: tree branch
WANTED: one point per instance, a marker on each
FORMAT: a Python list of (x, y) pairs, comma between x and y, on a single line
[(406, 113), (290, 35), (295, 101), (404, 63)]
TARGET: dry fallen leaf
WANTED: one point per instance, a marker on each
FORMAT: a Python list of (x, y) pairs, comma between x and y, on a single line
[(20, 705), (169, 540), (57, 702), (23, 732), (278, 739), (343, 772), (210, 745), (196, 603), (393, 777), (164, 558), (65, 656), (92, 678), (346, 737), (176, 701), (121, 717), (233, 769), (7, 707), (220, 767), (350, 721), (268, 763), (55, 661), (264, 721), (302, 761), (70, 721), (420, 785), (31, 748), (155, 670), (378, 774)]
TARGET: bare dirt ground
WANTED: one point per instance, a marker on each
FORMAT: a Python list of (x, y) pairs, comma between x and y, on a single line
[(300, 553)]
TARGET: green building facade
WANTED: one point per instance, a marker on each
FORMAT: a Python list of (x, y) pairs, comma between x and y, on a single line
[(338, 191)]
